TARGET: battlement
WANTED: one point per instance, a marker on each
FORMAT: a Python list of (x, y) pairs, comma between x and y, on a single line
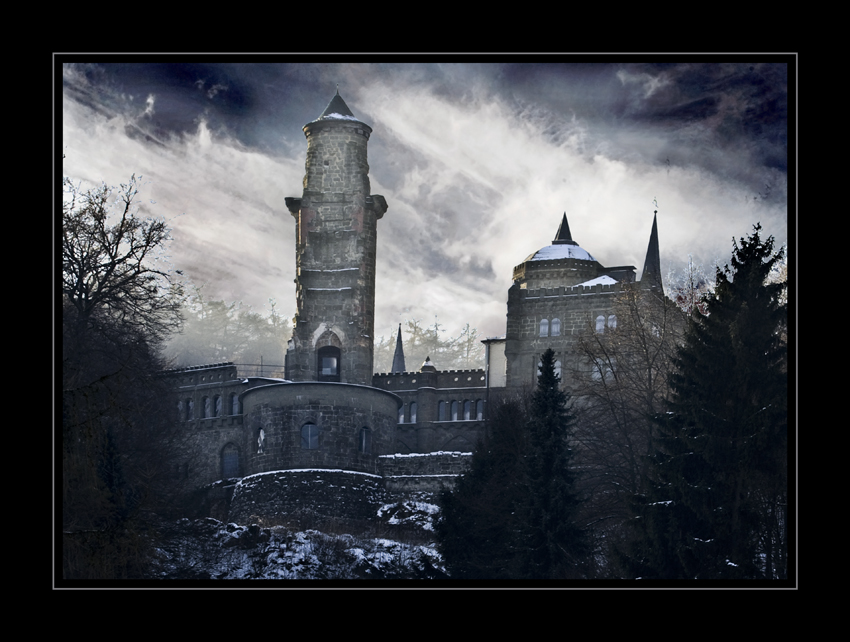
[(576, 290)]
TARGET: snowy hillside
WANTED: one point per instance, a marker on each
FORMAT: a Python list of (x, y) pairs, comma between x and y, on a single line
[(209, 549)]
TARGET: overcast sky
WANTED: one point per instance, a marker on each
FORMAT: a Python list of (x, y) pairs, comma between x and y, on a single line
[(477, 162)]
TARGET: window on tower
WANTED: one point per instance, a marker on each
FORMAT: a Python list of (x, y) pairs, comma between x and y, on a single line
[(329, 358)]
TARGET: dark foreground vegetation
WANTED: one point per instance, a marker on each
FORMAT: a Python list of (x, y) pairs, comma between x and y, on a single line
[(668, 460), (671, 463)]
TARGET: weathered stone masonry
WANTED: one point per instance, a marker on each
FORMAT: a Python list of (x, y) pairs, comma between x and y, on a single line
[(379, 434)]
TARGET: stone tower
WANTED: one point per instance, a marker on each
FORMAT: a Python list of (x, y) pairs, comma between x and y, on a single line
[(336, 240)]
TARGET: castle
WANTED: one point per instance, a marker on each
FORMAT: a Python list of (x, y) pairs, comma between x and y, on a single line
[(403, 430)]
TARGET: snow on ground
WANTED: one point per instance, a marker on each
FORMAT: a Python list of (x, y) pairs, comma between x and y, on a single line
[(210, 549)]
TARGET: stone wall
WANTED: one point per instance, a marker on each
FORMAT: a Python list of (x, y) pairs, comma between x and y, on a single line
[(338, 411), (298, 494), (576, 309), (423, 472)]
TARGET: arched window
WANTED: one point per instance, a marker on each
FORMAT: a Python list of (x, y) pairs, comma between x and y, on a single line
[(217, 406), (558, 369), (600, 324), (401, 414), (413, 412), (544, 328), (234, 404), (190, 410), (261, 441), (479, 410), (467, 410), (365, 441), (556, 327), (329, 358), (455, 408), (441, 411), (207, 408), (309, 436), (229, 461), (612, 321)]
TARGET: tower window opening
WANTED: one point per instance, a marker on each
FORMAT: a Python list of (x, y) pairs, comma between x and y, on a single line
[(230, 461), (600, 324), (310, 437), (556, 327), (365, 440), (544, 328), (329, 358)]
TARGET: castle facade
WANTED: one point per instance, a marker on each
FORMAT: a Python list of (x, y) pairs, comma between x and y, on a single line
[(331, 411)]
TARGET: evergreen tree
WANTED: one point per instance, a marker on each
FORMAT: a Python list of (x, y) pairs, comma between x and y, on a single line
[(715, 508), (513, 515), (554, 545), (479, 520)]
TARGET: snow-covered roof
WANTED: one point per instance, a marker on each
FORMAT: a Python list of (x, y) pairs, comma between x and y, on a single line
[(338, 117), (560, 251), (599, 280)]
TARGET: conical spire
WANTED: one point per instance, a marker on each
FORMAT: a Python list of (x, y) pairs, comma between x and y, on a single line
[(398, 357), (650, 279), (563, 237), (336, 106)]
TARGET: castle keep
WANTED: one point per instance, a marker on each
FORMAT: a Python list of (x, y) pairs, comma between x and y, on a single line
[(403, 430)]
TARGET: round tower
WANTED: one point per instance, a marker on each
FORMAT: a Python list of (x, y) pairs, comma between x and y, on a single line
[(336, 240)]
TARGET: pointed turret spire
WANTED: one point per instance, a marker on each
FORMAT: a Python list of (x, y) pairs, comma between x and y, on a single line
[(650, 279), (563, 237), (336, 107), (398, 357)]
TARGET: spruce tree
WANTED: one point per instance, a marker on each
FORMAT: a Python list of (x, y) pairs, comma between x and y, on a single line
[(478, 525), (715, 507), (554, 545)]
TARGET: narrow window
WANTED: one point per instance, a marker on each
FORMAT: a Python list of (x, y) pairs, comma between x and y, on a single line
[(309, 436), (467, 410), (441, 411), (329, 358), (234, 404), (365, 440), (558, 369), (217, 408), (544, 328), (556, 327), (600, 324), (207, 408), (229, 461), (413, 412), (190, 410), (612, 321), (261, 441), (479, 410), (455, 407), (401, 414)]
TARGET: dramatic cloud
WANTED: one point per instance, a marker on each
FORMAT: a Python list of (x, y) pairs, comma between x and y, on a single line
[(477, 163)]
